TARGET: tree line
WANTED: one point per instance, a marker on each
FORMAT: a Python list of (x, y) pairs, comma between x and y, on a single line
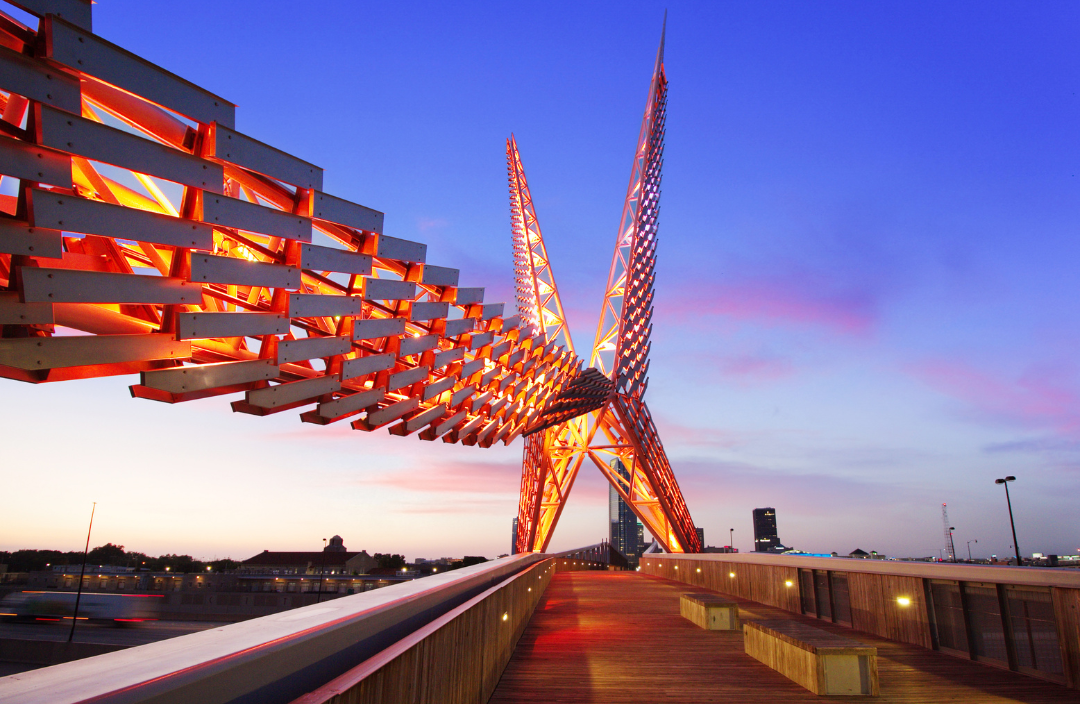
[(109, 554)]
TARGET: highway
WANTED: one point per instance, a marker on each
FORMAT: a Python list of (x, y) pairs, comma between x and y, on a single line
[(147, 632)]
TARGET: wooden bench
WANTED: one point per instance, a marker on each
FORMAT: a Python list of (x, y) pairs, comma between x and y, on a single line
[(710, 611), (823, 662)]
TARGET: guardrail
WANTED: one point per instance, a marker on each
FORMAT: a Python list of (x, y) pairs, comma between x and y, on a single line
[(270, 660), (1024, 619), (456, 659)]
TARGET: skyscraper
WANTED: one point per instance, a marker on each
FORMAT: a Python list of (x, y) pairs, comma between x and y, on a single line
[(625, 532), (513, 538), (765, 537), (701, 537)]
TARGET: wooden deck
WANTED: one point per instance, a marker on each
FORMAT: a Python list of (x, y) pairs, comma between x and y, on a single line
[(618, 637)]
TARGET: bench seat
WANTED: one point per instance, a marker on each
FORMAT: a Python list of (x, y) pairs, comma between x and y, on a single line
[(710, 611), (823, 662)]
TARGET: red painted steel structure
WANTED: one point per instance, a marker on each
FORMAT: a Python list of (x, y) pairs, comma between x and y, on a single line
[(620, 429), (149, 236)]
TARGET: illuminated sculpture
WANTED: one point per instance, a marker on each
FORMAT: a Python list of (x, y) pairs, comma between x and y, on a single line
[(617, 427), (147, 235)]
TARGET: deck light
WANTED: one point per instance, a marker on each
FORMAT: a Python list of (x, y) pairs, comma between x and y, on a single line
[(789, 583), (903, 601), (698, 569), (676, 567), (731, 574), (506, 616)]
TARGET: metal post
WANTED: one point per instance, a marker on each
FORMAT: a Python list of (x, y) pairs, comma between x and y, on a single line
[(731, 539), (973, 540), (1012, 524), (82, 573), (322, 569)]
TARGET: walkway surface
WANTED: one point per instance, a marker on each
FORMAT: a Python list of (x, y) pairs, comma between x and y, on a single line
[(618, 637)]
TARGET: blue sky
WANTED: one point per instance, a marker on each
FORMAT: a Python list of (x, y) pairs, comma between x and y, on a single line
[(866, 301)]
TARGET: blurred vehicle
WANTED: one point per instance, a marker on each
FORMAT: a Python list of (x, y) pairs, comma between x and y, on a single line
[(113, 609)]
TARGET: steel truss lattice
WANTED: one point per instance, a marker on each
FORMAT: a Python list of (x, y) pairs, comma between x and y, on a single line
[(620, 429)]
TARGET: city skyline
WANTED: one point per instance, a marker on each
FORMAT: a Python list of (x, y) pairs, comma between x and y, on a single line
[(864, 304)]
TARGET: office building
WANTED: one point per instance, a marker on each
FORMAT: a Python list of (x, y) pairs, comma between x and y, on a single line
[(513, 537), (765, 537), (625, 532)]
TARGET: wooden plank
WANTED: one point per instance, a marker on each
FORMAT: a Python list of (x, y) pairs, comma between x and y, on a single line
[(376, 328), (313, 305), (316, 258), (388, 289), (479, 340), (439, 276), (18, 237), (209, 376), (1067, 615), (15, 312), (71, 214), (33, 353), (342, 212), (420, 420), (293, 392), (468, 296), (88, 53), (194, 326), (369, 364), (32, 162), (289, 351), (408, 377), (90, 139), (429, 311), (402, 250), (416, 344), (38, 81), (242, 215), (710, 612), (455, 328), (233, 147), (77, 12), (386, 415), (435, 388), (40, 285), (211, 269), (350, 404), (447, 357)]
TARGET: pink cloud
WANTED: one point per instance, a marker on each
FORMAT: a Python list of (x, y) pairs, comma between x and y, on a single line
[(1040, 396), (453, 477), (798, 299)]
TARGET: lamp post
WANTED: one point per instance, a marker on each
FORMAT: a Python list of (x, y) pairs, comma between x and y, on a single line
[(973, 540), (322, 569), (82, 573), (731, 539), (1012, 523)]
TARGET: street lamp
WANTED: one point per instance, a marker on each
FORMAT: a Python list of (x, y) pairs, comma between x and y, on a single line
[(322, 569), (1012, 523), (973, 540), (731, 539)]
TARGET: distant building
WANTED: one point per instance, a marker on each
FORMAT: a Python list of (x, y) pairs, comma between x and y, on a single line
[(513, 537), (625, 532), (335, 558), (701, 538), (765, 536)]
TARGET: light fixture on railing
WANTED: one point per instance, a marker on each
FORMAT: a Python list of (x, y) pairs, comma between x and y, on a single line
[(903, 601), (789, 583), (731, 574)]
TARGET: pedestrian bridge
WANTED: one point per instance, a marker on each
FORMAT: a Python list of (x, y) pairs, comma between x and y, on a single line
[(562, 628)]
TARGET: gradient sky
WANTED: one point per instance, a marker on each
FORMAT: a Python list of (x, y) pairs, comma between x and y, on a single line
[(867, 301)]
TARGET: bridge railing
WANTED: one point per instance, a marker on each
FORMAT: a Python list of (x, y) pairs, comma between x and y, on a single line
[(274, 659), (1024, 619), (456, 659)]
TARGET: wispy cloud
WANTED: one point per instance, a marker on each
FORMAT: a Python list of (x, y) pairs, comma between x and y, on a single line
[(452, 478), (1041, 396), (797, 298)]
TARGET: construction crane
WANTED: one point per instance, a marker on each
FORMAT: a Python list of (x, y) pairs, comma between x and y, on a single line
[(950, 549)]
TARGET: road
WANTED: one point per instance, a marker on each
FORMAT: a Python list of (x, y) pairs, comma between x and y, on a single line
[(141, 634)]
